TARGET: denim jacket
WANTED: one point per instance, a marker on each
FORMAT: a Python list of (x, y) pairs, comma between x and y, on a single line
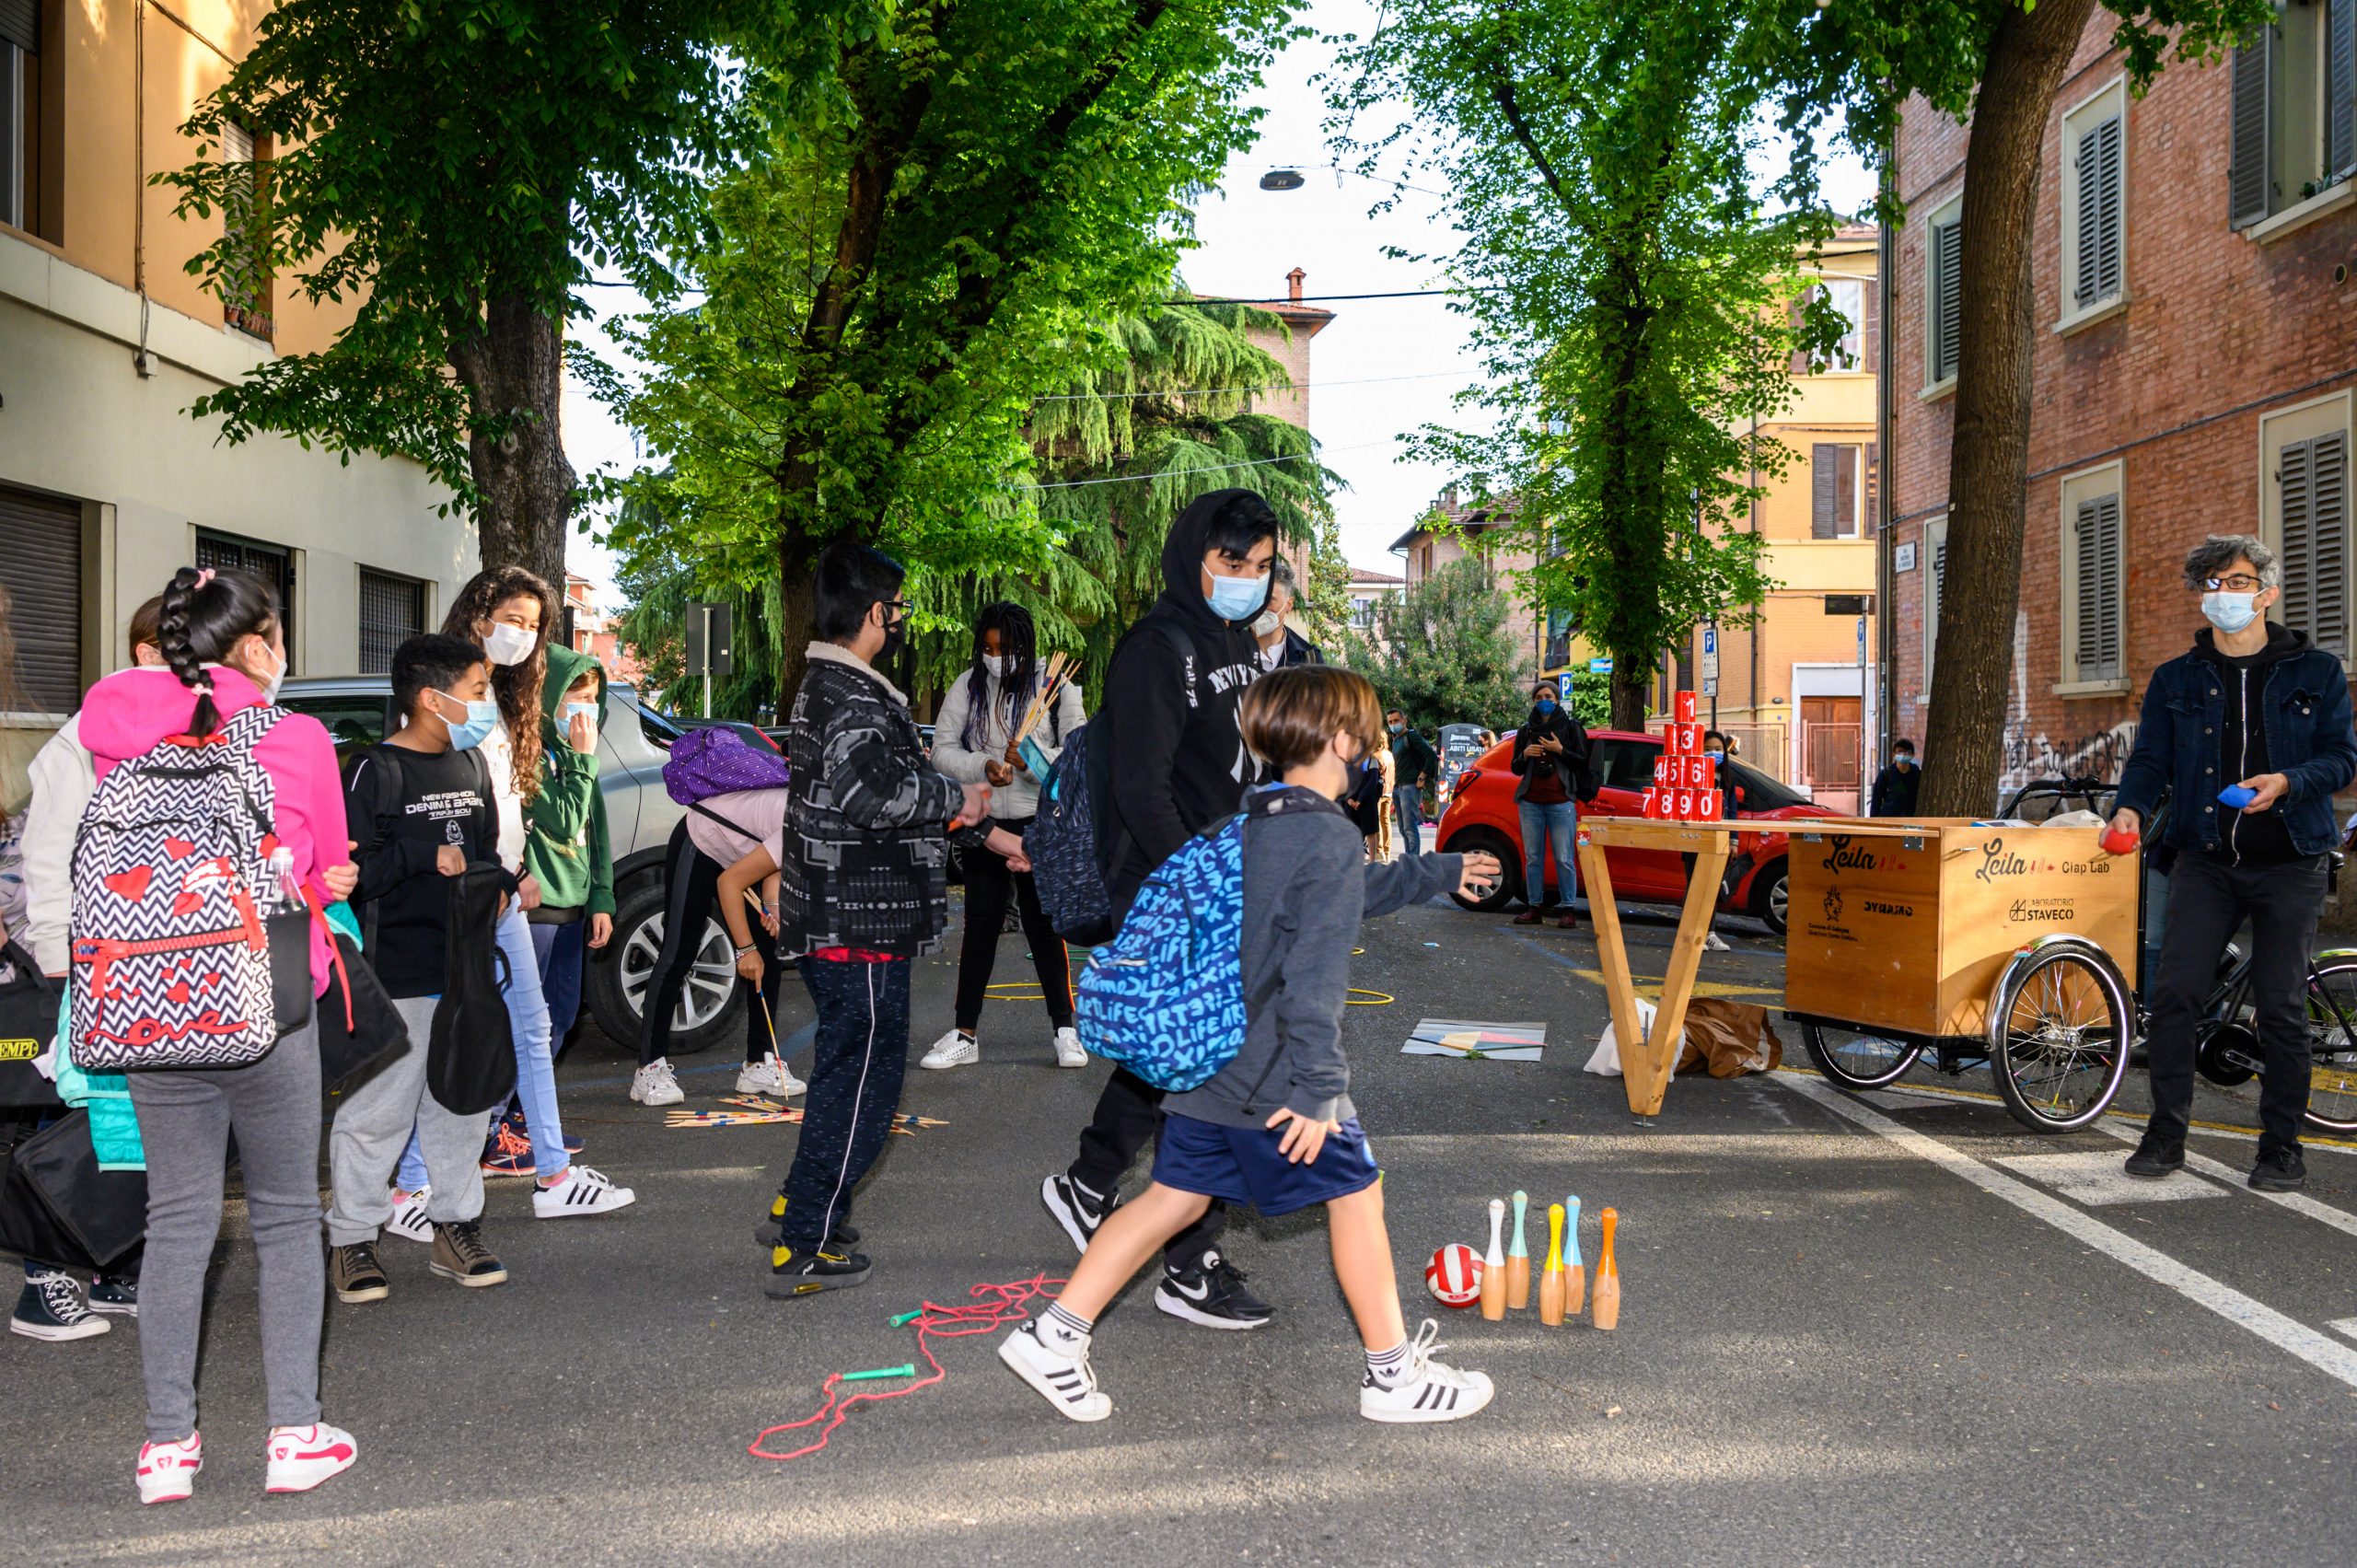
[(2304, 701)]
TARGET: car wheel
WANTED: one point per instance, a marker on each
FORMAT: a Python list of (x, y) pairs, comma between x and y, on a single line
[(1502, 894), (708, 1007), (1771, 896)]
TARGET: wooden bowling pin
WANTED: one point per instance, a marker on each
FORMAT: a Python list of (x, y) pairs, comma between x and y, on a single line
[(1574, 1276), (1550, 1278), (1607, 1277), (1518, 1260), (1493, 1266)]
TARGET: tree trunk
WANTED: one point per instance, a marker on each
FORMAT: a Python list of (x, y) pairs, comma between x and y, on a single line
[(514, 370), (1989, 460), (1629, 695)]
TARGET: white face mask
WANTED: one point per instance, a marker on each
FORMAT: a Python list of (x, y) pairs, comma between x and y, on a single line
[(995, 664), (270, 688), (509, 644), (1268, 620)]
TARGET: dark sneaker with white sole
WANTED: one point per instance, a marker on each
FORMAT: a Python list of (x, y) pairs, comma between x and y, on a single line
[(2155, 1157), (790, 1275), (459, 1254), (117, 1296), (50, 1307), (354, 1275), (1076, 1208), (2280, 1171), (1213, 1295)]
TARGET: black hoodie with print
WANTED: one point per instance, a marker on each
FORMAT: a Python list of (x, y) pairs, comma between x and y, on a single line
[(2252, 838), (1175, 757)]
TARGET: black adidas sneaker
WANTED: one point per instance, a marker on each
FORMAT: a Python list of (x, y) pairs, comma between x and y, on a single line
[(790, 1276)]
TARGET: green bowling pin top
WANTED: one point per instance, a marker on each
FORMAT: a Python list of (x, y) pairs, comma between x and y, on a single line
[(1571, 1233), (1521, 1202)]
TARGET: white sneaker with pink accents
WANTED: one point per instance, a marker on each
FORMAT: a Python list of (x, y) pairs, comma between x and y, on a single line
[(302, 1457), (167, 1470)]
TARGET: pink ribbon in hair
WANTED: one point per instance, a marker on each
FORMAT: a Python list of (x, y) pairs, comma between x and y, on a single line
[(203, 577)]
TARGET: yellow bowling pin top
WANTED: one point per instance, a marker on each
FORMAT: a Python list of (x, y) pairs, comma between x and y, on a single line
[(1555, 1238)]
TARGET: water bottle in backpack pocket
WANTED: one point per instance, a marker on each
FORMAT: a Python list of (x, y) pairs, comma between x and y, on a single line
[(1165, 997)]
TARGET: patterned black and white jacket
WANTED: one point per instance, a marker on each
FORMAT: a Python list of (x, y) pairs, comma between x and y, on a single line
[(865, 847)]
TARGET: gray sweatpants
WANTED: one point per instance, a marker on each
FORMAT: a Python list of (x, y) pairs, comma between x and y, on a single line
[(185, 1120), (372, 1127)]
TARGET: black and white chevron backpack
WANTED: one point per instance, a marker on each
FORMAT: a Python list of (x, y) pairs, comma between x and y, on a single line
[(176, 874)]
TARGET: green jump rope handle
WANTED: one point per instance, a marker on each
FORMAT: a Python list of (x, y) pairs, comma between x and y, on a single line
[(904, 1318), (908, 1370)]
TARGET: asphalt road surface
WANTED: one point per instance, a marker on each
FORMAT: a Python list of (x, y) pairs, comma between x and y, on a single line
[(1852, 1333)]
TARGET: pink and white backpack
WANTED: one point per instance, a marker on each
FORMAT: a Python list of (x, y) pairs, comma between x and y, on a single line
[(177, 873)]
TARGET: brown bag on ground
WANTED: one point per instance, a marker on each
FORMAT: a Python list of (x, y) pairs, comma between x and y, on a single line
[(1729, 1038)]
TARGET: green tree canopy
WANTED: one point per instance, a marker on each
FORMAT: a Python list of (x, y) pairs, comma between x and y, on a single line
[(1630, 294), (458, 167), (1442, 653)]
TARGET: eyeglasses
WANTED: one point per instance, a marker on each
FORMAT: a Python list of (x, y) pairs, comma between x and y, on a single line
[(2240, 583)]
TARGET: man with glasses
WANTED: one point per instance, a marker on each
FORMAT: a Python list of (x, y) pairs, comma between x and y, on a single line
[(2248, 733)]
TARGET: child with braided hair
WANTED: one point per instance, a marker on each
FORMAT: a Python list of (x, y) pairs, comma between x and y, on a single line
[(225, 651)]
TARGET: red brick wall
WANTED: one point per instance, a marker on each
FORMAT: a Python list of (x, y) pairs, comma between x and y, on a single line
[(2214, 323)]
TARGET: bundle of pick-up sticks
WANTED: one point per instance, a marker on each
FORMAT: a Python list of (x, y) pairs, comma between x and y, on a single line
[(1061, 668)]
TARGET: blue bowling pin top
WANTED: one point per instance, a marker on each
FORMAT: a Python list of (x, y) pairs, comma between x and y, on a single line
[(1571, 1233)]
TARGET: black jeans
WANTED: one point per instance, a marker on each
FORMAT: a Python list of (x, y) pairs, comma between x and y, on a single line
[(987, 883), (863, 1050), (2209, 897), (692, 879)]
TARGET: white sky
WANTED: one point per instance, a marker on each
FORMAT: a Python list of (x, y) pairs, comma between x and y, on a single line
[(1382, 369)]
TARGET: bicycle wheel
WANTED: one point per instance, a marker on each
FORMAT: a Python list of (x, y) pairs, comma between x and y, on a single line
[(1855, 1059), (2332, 1044), (2062, 1046)]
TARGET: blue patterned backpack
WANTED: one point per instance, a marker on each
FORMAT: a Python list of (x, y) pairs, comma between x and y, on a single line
[(1165, 997)]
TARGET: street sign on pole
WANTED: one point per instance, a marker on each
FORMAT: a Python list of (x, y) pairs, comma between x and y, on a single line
[(1600, 667), (707, 645), (1711, 657)]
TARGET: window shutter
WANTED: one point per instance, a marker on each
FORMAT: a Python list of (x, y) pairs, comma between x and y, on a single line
[(2099, 213), (1874, 326), (2247, 168), (2312, 476), (2096, 593), (41, 570), (1874, 491), (20, 24), (1945, 327), (2340, 89), (1845, 492), (1821, 514), (392, 610)]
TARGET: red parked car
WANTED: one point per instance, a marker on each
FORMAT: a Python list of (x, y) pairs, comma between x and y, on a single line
[(1482, 815)]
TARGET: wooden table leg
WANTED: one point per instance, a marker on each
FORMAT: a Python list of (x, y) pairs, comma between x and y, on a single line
[(1620, 989), (1647, 1077)]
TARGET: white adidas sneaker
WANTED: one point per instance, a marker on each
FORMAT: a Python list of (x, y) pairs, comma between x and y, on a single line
[(952, 1050), (1070, 1052), (409, 1221), (1067, 1382), (579, 1190), (654, 1083), (1431, 1391)]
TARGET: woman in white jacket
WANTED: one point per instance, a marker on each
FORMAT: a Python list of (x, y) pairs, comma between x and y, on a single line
[(973, 741)]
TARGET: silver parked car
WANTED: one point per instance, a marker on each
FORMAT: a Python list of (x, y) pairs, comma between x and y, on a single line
[(632, 741)]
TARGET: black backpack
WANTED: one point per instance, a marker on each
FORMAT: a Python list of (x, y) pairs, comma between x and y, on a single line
[(470, 1055)]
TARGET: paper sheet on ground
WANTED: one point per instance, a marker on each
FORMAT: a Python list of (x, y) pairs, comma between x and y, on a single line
[(1463, 1037)]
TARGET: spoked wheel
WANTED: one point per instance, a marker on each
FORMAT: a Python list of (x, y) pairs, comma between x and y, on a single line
[(2061, 1045), (2332, 1040), (1856, 1059)]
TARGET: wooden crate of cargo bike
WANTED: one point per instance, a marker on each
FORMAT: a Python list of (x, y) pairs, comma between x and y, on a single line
[(1905, 925)]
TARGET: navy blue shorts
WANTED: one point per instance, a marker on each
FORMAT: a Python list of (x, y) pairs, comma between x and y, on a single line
[(1241, 1165)]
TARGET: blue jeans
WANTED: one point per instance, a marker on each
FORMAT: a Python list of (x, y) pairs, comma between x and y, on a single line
[(1408, 812), (562, 952), (528, 1017), (1542, 827)]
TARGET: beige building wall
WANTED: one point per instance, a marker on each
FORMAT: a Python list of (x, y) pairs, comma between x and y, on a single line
[(96, 373)]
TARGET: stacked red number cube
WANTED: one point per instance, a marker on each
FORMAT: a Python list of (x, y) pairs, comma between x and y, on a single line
[(1685, 782)]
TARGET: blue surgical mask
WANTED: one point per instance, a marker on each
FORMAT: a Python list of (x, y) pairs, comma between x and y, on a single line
[(481, 719), (2229, 612), (1546, 706), (577, 711), (1237, 599), (1716, 756)]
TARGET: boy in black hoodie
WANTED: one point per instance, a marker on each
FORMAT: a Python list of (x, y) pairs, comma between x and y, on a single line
[(1175, 762)]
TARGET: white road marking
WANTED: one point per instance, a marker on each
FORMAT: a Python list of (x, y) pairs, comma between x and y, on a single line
[(1900, 1100), (2094, 1177), (2298, 1203), (2329, 1357), (2344, 1326)]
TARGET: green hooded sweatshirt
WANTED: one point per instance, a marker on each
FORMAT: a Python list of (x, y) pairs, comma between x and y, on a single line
[(567, 847)]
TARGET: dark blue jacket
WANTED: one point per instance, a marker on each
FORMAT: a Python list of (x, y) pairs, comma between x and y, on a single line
[(2304, 701)]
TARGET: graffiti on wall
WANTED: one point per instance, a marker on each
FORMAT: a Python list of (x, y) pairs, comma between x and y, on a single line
[(2097, 756)]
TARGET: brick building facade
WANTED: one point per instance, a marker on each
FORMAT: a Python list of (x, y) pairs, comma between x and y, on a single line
[(2192, 374)]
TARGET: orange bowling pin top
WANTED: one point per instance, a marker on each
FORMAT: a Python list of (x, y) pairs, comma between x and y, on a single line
[(1604, 1264)]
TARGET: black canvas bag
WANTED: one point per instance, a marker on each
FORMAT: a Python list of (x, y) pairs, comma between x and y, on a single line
[(27, 1027), (57, 1206), (360, 1028), (470, 1055)]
